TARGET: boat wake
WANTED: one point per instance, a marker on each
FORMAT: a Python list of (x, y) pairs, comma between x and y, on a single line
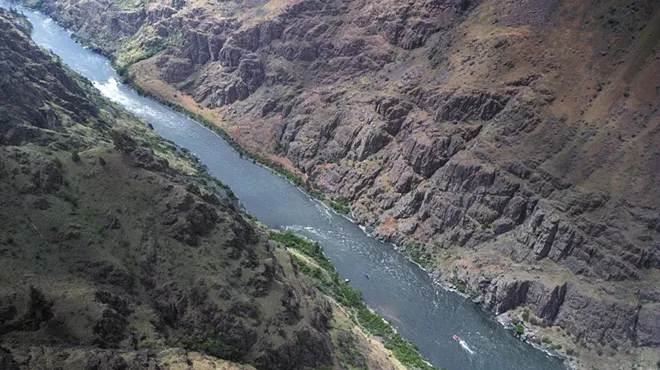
[(466, 347)]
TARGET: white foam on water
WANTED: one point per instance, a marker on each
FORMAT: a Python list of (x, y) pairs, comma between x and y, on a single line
[(111, 89), (466, 347)]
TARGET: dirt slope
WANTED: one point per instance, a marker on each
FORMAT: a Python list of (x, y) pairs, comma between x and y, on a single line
[(511, 146)]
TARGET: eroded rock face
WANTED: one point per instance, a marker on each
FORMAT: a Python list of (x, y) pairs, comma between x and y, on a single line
[(304, 349), (648, 326), (597, 320)]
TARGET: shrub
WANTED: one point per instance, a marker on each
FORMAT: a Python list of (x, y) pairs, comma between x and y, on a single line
[(75, 156), (219, 349), (525, 314), (546, 340), (519, 329), (122, 141), (57, 162), (341, 206), (68, 197)]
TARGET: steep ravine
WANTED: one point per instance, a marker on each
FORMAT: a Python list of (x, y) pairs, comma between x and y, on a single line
[(510, 146), (119, 251)]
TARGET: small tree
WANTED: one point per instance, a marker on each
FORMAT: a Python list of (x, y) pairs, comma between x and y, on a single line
[(75, 156)]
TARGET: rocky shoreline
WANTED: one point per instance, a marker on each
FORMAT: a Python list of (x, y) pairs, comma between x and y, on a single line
[(447, 285)]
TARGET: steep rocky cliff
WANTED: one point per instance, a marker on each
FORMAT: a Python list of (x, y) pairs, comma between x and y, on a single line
[(512, 141), (118, 251)]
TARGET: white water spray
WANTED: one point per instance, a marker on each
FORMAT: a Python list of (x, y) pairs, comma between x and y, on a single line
[(466, 347)]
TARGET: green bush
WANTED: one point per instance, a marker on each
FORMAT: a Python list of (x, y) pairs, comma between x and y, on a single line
[(219, 349), (122, 141), (75, 156), (68, 197), (519, 329), (525, 314)]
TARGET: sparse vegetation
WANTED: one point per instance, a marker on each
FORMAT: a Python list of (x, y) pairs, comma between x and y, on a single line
[(122, 141), (418, 253), (341, 206)]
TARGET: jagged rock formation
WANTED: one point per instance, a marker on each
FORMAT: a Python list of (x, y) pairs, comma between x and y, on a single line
[(113, 258), (526, 128)]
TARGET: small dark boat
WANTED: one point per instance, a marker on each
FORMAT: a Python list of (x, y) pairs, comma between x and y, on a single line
[(366, 275)]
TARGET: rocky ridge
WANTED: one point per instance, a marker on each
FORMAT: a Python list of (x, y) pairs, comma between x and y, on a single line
[(120, 252), (520, 131)]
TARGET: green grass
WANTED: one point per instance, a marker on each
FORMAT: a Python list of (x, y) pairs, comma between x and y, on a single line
[(329, 282), (341, 206), (417, 252)]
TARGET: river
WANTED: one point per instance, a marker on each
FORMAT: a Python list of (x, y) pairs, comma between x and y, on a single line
[(398, 290)]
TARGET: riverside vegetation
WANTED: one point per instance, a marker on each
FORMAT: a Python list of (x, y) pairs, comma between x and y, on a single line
[(120, 251)]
